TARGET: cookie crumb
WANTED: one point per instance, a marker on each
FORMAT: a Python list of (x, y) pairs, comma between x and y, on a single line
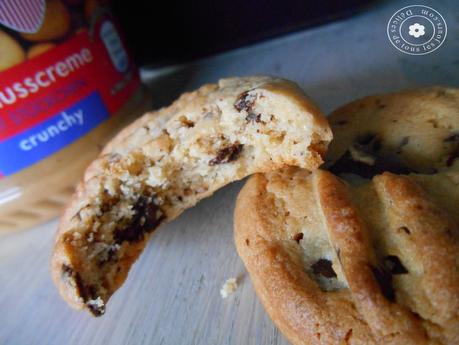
[(228, 288), (227, 154)]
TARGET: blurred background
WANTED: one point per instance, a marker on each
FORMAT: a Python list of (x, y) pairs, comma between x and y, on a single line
[(180, 31)]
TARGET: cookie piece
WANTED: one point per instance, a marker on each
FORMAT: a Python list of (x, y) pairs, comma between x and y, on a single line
[(409, 131), (336, 263), (166, 162)]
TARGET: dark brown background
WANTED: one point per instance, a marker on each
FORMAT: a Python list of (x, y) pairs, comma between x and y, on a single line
[(163, 32)]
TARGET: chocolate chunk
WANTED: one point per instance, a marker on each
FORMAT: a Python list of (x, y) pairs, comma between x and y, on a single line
[(452, 157), (145, 220), (252, 117), (67, 271), (405, 230), (324, 268), (368, 140), (186, 122), (348, 336), (108, 255), (370, 145), (404, 142), (384, 280), (245, 101), (452, 138), (227, 154), (346, 165), (87, 292), (298, 237), (94, 303), (393, 265), (95, 309)]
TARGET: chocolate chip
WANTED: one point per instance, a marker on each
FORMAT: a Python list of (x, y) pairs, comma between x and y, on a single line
[(452, 157), (384, 280), (186, 122), (88, 293), (245, 101), (67, 271), (405, 230), (95, 309), (370, 145), (324, 268), (108, 255), (147, 218), (368, 139), (346, 165), (393, 265), (298, 237), (452, 138), (404, 141), (252, 117), (341, 123), (227, 154), (91, 299), (348, 336)]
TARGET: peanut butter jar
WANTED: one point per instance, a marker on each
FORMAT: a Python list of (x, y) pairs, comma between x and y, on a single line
[(67, 85)]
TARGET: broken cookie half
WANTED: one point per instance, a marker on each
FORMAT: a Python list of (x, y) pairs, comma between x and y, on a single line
[(166, 162)]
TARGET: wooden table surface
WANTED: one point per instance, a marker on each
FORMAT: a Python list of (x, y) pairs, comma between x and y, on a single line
[(172, 294)]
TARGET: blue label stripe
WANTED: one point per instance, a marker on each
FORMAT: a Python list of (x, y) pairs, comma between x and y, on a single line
[(41, 141)]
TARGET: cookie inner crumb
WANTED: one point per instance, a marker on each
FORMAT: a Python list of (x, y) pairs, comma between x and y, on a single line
[(197, 151)]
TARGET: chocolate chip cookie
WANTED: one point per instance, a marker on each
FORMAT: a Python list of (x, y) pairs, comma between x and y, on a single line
[(166, 162), (370, 256)]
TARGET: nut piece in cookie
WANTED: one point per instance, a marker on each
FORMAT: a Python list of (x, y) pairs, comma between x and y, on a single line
[(165, 162)]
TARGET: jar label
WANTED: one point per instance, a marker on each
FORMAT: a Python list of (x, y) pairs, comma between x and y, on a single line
[(51, 98)]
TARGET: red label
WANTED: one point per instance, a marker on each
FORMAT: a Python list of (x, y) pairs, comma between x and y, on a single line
[(34, 91)]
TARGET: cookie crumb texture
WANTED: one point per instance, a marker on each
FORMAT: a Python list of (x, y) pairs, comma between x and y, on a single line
[(166, 162), (228, 288), (371, 256)]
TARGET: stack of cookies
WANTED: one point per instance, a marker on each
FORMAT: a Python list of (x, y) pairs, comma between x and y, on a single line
[(364, 250)]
